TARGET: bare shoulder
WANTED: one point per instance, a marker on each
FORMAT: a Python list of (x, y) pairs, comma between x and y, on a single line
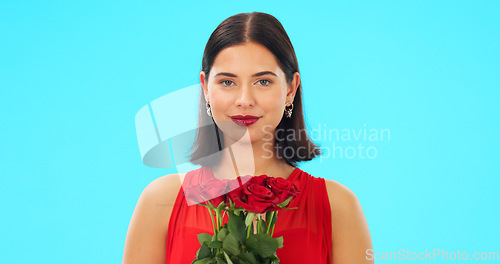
[(340, 196), (350, 233), (344, 203), (163, 190), (147, 231)]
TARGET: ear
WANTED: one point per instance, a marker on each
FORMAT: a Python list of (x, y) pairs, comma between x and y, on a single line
[(292, 89), (204, 85)]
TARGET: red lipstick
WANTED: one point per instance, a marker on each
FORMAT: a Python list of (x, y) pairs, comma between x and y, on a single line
[(244, 120)]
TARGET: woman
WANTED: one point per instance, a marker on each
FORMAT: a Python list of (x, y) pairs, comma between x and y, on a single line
[(252, 92)]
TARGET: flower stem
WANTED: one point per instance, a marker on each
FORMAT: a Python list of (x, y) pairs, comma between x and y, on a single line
[(211, 218), (270, 222), (217, 219), (272, 229), (258, 223)]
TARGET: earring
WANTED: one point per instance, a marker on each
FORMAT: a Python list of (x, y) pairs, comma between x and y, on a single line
[(288, 112), (209, 111)]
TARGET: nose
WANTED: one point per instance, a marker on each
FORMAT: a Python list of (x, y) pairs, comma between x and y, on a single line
[(245, 97)]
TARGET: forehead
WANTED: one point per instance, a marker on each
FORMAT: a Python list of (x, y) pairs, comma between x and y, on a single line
[(246, 58)]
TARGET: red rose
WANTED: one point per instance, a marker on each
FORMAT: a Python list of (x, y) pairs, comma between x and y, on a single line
[(212, 191), (237, 183), (261, 198), (259, 180), (235, 189), (255, 196), (282, 188)]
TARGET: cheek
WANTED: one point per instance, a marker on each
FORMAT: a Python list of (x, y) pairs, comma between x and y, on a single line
[(277, 110), (274, 106), (274, 114), (219, 102)]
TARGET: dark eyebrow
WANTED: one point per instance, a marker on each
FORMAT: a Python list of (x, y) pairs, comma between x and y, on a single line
[(255, 75)]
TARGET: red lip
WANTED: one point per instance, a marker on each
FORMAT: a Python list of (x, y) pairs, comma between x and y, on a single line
[(244, 117), (244, 120)]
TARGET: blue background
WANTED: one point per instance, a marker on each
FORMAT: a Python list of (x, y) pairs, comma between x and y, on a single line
[(74, 74)]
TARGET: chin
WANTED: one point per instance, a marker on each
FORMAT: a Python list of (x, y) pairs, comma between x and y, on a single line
[(248, 138)]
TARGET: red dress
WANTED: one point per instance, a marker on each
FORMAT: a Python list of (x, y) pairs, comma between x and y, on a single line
[(307, 231)]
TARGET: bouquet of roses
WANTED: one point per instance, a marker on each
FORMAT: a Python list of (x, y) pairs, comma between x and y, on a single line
[(247, 236)]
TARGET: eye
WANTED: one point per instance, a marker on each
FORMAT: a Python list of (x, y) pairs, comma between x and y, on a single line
[(226, 82), (265, 82)]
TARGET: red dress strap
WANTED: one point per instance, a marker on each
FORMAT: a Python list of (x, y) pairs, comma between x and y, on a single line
[(307, 231)]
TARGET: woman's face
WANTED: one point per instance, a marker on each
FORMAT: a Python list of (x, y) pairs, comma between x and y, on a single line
[(247, 80)]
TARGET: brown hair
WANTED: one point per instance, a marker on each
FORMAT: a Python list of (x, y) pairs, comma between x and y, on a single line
[(266, 30)]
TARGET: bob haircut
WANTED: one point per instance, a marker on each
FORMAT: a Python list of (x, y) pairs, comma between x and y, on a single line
[(292, 144)]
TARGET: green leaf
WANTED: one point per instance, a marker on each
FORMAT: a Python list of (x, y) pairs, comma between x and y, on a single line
[(251, 230), (285, 203), (212, 261), (280, 241), (219, 260), (252, 243), (242, 217), (262, 226), (239, 210), (204, 252), (268, 216), (202, 261), (215, 244), (248, 258), (274, 258), (204, 237), (228, 259), (231, 244), (222, 234), (221, 206), (236, 260), (262, 244), (249, 218), (275, 218), (236, 226), (210, 204)]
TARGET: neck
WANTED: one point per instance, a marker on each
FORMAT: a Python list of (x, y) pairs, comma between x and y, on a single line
[(250, 158)]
